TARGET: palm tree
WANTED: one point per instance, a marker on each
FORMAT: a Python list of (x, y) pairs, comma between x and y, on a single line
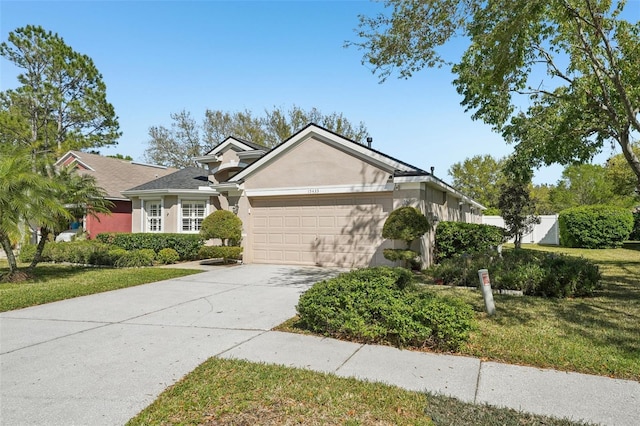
[(80, 195), (25, 196)]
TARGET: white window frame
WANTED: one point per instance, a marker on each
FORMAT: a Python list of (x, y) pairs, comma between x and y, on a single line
[(181, 217), (146, 218)]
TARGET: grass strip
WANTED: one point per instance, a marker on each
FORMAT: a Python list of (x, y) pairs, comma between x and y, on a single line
[(58, 282), (234, 392)]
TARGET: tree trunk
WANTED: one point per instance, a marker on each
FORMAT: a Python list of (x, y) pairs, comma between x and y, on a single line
[(11, 258), (518, 241), (44, 233), (632, 158)]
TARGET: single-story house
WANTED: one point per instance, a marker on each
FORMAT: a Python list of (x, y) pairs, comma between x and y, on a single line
[(114, 175), (316, 199)]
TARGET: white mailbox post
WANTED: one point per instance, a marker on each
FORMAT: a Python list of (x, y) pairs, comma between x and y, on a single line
[(485, 285)]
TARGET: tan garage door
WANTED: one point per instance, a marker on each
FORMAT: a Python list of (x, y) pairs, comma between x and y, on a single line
[(341, 230)]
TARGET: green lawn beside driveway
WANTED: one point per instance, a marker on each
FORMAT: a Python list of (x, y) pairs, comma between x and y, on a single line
[(597, 335), (233, 392), (58, 282)]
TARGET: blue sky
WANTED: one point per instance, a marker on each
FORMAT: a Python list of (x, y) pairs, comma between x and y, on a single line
[(157, 58)]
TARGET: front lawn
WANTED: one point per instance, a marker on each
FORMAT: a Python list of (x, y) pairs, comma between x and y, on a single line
[(232, 392), (59, 282), (598, 335), (595, 335)]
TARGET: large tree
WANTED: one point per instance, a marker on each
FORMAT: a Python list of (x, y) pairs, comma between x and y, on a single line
[(60, 103), (176, 146), (574, 63), (479, 177)]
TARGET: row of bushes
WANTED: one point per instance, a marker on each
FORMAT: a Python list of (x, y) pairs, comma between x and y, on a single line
[(534, 273), (186, 245), (96, 253), (381, 305)]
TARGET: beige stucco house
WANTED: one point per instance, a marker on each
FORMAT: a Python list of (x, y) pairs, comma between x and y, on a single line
[(315, 199)]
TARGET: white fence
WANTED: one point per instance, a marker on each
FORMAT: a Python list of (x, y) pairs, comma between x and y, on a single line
[(546, 232)]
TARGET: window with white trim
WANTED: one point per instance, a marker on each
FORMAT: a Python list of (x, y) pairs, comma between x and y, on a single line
[(193, 213), (153, 211)]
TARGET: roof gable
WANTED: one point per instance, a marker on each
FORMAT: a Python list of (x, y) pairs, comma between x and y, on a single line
[(330, 138), (233, 142)]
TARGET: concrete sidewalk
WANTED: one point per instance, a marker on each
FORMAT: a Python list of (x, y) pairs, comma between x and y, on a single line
[(100, 359)]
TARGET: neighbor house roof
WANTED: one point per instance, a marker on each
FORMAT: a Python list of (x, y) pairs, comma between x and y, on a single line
[(114, 175), (187, 179)]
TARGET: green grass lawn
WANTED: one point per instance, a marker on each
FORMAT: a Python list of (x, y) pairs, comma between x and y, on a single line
[(598, 335), (59, 282), (231, 392)]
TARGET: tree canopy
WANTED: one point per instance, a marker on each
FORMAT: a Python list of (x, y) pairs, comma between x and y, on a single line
[(185, 138), (573, 64), (479, 177), (60, 103)]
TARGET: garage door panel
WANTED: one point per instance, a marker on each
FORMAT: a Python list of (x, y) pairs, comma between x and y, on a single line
[(332, 231)]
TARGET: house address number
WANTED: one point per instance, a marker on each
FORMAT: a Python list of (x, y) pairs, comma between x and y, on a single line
[(313, 190)]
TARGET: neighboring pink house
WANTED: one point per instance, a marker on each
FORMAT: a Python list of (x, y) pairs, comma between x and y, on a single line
[(114, 176)]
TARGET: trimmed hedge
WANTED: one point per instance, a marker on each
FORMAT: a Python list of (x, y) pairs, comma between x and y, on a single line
[(186, 245), (534, 273), (220, 252), (82, 252), (595, 227), (635, 234), (381, 305), (455, 238)]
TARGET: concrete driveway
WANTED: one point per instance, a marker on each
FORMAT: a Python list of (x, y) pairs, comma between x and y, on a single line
[(100, 359)]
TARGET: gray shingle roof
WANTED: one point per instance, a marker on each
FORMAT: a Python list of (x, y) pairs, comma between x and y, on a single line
[(187, 178)]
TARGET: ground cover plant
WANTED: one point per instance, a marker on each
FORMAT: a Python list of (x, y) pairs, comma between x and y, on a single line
[(51, 283), (234, 392), (381, 305), (534, 273), (596, 335)]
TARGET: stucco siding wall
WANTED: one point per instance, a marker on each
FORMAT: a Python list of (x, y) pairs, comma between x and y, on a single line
[(170, 214), (136, 215), (314, 163)]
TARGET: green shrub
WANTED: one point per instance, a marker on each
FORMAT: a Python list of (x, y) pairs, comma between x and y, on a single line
[(224, 225), (135, 258), (405, 224), (595, 226), (84, 252), (186, 245), (220, 252), (27, 252), (635, 234), (167, 256), (534, 273), (456, 238), (380, 305), (115, 254)]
